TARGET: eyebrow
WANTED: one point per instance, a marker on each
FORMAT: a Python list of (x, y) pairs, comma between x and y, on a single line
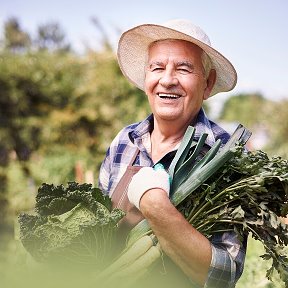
[(155, 63), (180, 63), (185, 63)]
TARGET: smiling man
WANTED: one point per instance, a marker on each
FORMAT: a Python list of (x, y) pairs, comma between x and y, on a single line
[(176, 86), (178, 69)]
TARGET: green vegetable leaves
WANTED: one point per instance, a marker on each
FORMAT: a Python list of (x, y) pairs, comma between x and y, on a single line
[(57, 200), (248, 195), (73, 224)]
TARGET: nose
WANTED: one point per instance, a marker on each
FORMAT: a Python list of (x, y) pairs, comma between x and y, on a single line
[(168, 79)]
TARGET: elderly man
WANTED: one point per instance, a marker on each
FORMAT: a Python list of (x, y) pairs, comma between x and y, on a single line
[(178, 69)]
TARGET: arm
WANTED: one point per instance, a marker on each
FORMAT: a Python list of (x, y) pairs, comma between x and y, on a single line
[(188, 248), (217, 263)]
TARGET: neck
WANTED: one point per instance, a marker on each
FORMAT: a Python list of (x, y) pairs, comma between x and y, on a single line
[(167, 132), (164, 138)]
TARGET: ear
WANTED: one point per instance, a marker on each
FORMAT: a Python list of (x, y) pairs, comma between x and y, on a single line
[(210, 84)]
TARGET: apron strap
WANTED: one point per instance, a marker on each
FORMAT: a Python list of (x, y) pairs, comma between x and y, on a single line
[(120, 199), (134, 157)]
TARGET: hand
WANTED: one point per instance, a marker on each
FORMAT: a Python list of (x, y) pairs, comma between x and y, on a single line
[(147, 178)]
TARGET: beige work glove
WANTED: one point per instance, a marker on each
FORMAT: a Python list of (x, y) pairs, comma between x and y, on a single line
[(148, 178)]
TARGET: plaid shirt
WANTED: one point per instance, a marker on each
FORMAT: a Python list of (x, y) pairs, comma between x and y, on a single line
[(228, 253)]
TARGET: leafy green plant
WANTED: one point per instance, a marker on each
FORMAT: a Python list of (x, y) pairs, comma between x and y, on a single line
[(254, 274), (247, 195), (73, 224)]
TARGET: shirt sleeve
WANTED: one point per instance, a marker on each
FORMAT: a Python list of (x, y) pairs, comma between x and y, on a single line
[(104, 173), (228, 255)]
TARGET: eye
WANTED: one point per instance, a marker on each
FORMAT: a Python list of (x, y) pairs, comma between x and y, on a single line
[(157, 69), (184, 70), (156, 66), (185, 67)]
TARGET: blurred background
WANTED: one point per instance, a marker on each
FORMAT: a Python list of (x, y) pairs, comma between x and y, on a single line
[(63, 97)]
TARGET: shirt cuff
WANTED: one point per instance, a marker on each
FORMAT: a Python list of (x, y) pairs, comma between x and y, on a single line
[(222, 271)]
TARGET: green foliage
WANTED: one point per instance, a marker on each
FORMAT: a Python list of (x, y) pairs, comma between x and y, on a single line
[(57, 166), (20, 190), (247, 195), (254, 274), (32, 89), (277, 126), (53, 105), (246, 109), (16, 39), (108, 101), (51, 37), (265, 118), (73, 224)]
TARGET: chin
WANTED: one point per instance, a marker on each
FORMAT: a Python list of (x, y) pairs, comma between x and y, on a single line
[(168, 117)]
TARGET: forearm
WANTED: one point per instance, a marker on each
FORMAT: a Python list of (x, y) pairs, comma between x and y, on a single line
[(217, 262), (188, 248)]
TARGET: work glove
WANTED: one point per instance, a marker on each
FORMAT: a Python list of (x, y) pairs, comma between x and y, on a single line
[(148, 178)]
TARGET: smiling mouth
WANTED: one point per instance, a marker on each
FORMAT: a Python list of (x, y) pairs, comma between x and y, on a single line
[(168, 96)]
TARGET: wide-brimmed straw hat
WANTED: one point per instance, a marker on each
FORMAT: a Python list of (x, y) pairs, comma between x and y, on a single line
[(133, 48)]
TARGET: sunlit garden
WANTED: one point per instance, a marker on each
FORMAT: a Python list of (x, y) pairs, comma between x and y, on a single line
[(59, 111)]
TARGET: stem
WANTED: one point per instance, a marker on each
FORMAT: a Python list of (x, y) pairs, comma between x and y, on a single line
[(233, 187), (204, 224), (195, 207), (219, 206)]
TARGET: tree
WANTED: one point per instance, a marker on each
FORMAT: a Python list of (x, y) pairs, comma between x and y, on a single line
[(247, 109), (276, 120), (16, 40), (265, 118), (51, 37)]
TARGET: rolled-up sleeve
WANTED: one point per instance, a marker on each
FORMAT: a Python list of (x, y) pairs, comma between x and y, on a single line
[(228, 256)]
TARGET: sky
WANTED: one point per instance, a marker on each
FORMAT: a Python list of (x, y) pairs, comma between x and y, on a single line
[(252, 34)]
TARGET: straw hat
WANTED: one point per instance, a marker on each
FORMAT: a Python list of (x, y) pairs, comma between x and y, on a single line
[(133, 48)]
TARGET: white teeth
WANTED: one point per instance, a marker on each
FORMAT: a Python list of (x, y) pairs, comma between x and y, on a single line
[(168, 95)]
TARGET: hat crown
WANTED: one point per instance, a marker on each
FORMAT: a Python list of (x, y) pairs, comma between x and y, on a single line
[(189, 29)]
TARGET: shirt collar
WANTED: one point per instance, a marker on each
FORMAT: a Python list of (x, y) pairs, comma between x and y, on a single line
[(143, 128), (202, 125)]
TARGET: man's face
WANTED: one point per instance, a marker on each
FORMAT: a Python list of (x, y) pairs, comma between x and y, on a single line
[(175, 83)]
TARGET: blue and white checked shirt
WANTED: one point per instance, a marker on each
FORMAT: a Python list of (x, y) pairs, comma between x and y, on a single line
[(228, 253)]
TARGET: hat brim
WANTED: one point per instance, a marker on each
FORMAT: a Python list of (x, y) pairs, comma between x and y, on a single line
[(133, 48)]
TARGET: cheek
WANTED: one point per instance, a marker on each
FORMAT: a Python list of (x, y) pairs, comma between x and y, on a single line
[(146, 84), (196, 91), (150, 81), (148, 91)]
